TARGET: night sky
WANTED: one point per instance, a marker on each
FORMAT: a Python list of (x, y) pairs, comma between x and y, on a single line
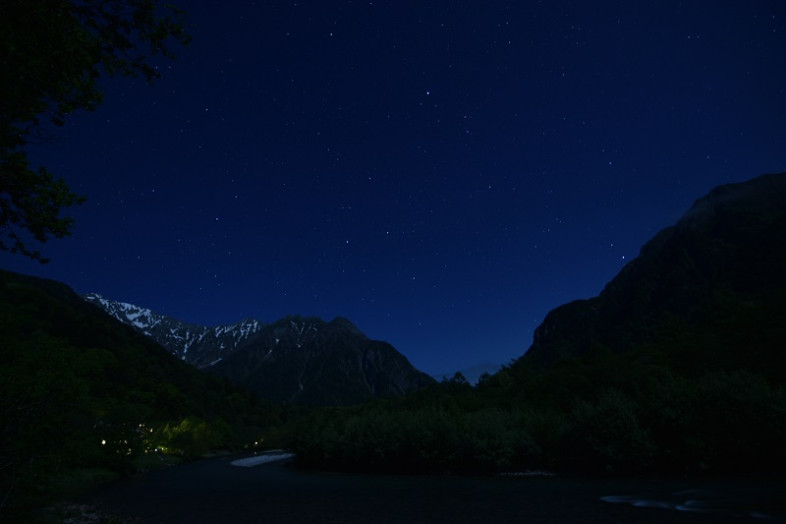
[(443, 174)]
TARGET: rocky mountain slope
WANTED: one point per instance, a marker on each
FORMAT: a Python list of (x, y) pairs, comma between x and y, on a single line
[(81, 391), (299, 360), (200, 346), (708, 292), (678, 368), (311, 361)]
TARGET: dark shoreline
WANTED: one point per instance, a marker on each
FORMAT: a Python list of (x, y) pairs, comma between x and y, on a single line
[(212, 490)]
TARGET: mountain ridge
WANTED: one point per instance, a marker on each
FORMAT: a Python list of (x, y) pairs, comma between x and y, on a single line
[(677, 367), (294, 359), (471, 373), (200, 346), (307, 360), (723, 258), (80, 390)]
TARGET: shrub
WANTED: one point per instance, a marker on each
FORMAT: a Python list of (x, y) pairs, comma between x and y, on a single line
[(607, 435)]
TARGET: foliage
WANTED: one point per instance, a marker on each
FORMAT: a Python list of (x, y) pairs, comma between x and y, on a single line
[(52, 55), (738, 423), (190, 437), (80, 391), (690, 387), (601, 414), (607, 434), (428, 431), (31, 201)]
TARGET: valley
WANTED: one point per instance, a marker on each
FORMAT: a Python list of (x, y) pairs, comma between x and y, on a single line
[(675, 371)]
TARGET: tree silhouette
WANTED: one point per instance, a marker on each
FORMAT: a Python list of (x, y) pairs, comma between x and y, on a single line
[(52, 54)]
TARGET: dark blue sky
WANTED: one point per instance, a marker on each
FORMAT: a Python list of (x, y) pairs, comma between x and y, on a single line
[(441, 173)]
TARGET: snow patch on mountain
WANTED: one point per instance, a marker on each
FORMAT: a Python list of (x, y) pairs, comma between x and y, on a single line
[(201, 346)]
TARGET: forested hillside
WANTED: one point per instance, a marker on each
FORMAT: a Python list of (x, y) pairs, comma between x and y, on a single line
[(677, 367), (81, 392)]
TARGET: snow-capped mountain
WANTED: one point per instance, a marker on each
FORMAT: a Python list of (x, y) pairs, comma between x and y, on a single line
[(201, 346), (295, 359)]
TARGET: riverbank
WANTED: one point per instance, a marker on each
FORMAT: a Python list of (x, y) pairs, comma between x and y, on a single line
[(215, 491)]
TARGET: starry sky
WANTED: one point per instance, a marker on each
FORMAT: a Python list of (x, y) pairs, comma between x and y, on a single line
[(441, 173)]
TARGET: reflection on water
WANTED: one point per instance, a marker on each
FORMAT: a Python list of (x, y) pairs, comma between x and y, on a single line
[(754, 503), (262, 458), (215, 490)]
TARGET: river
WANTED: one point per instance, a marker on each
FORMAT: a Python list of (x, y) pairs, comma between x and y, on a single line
[(214, 490)]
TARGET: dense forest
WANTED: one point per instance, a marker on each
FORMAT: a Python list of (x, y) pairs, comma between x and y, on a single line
[(599, 414), (83, 397), (677, 367)]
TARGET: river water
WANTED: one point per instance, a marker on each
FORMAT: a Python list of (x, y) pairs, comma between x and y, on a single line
[(214, 490)]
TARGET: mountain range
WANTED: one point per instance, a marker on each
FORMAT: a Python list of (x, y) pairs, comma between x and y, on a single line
[(200, 346), (697, 283), (677, 366), (78, 389), (296, 359), (311, 361)]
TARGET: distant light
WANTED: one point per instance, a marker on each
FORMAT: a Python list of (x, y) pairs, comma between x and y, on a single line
[(103, 442)]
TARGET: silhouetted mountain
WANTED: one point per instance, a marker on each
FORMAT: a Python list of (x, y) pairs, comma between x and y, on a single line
[(709, 292), (472, 373), (200, 346), (299, 360), (310, 361), (79, 389), (677, 367)]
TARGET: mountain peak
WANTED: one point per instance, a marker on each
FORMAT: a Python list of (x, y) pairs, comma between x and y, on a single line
[(295, 359), (310, 361), (341, 324), (721, 262), (200, 346)]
